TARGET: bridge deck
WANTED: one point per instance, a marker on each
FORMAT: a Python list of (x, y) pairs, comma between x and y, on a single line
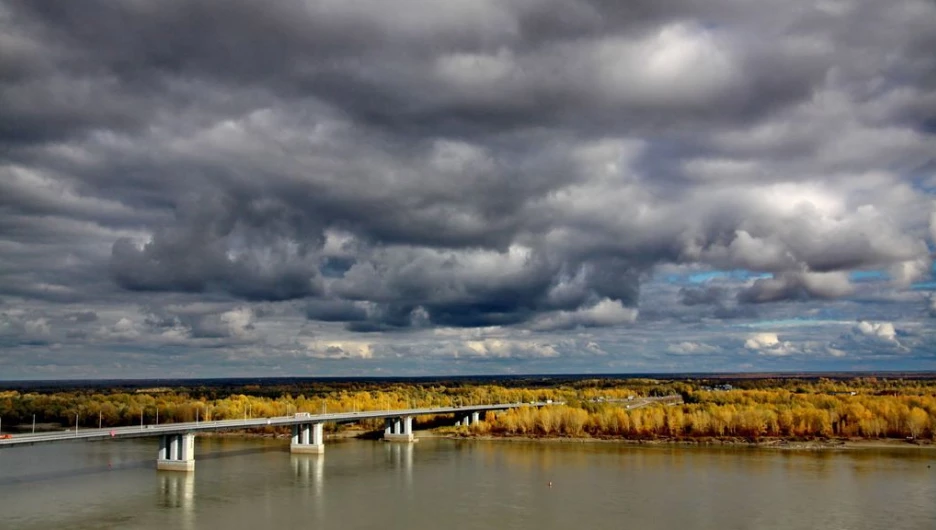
[(139, 431)]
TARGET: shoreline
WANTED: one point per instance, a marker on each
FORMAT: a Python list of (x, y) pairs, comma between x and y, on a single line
[(818, 444), (763, 443)]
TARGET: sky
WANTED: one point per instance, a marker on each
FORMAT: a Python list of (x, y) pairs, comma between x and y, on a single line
[(210, 188)]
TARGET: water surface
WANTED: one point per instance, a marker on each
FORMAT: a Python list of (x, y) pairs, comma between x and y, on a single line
[(254, 483)]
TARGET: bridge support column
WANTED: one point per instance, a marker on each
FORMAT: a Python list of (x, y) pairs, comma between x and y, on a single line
[(475, 417), (308, 438), (399, 430), (176, 452)]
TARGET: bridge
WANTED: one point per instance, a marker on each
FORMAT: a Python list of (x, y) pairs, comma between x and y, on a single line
[(177, 440)]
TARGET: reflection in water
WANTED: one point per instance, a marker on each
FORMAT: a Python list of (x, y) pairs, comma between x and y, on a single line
[(469, 484), (400, 461), (400, 458), (309, 472), (177, 491)]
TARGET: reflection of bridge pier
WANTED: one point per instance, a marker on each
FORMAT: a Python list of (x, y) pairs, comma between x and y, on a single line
[(309, 470), (400, 457), (177, 490)]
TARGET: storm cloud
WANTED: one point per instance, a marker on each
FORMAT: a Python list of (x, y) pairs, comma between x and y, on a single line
[(510, 181)]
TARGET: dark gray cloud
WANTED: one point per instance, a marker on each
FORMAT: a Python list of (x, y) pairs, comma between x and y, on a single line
[(207, 325), (715, 302), (702, 295), (796, 286), (335, 311), (471, 66), (240, 173), (83, 316)]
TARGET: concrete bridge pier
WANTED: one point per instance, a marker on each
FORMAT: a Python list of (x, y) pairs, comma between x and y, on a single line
[(392, 426), (308, 438), (176, 452), (470, 420), (399, 429)]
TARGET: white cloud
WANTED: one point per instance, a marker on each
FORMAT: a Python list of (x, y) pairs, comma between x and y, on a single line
[(768, 343), (507, 349), (603, 314), (797, 285), (239, 322), (39, 326), (932, 225), (882, 337), (681, 64), (348, 349), (123, 329), (690, 348), (907, 272), (761, 340), (884, 331)]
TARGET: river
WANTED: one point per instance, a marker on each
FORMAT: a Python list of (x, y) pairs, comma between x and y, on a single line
[(439, 483)]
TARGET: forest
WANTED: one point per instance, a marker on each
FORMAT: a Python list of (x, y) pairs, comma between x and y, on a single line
[(751, 408)]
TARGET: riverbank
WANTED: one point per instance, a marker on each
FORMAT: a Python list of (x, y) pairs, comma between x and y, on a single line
[(446, 433), (766, 443)]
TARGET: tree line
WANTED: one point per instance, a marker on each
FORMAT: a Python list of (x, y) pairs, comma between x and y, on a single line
[(790, 408), (160, 405), (801, 417)]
